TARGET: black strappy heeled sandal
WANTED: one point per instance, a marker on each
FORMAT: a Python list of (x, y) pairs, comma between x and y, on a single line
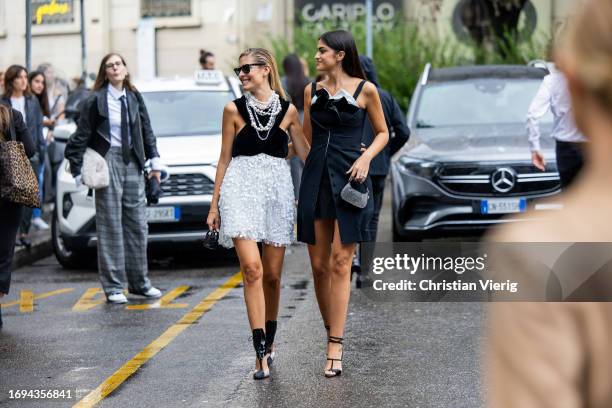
[(334, 372), (271, 326), (259, 343)]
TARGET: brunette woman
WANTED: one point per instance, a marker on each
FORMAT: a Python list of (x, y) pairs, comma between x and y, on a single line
[(253, 196), (18, 95), (38, 86), (335, 111)]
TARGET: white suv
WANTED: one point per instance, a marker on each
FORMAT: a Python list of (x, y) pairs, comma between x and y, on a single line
[(186, 115)]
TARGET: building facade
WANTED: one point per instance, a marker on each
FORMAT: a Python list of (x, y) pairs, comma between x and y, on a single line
[(164, 37)]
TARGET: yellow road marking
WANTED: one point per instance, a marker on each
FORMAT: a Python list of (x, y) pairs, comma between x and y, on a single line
[(87, 301), (26, 302), (27, 297), (165, 302), (129, 368)]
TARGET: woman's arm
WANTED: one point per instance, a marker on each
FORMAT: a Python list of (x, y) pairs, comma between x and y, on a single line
[(22, 134), (228, 133), (359, 170), (75, 148), (148, 137), (300, 145), (306, 126)]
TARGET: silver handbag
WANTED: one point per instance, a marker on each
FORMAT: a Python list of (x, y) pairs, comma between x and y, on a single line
[(355, 197)]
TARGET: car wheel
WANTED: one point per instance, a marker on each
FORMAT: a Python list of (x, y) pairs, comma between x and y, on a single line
[(68, 259)]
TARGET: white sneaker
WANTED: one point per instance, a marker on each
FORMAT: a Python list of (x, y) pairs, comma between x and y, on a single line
[(152, 293), (117, 298), (40, 224)]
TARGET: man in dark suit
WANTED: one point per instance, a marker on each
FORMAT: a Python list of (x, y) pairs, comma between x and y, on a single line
[(379, 167)]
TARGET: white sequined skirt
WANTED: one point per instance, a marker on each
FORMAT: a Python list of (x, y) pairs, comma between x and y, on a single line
[(257, 201)]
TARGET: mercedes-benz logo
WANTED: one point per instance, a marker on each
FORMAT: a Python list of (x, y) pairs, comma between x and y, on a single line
[(503, 179)]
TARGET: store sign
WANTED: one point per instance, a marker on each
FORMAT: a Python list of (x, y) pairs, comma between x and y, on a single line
[(52, 12), (320, 13)]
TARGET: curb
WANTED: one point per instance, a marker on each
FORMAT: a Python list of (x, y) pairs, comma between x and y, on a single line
[(38, 251)]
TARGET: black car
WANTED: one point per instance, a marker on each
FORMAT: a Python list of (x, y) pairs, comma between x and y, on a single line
[(468, 162)]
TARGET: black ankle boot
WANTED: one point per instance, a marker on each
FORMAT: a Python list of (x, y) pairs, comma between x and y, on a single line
[(270, 333), (259, 343), (0, 316)]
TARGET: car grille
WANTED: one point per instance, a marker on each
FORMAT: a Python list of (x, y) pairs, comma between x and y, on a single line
[(187, 185), (516, 180)]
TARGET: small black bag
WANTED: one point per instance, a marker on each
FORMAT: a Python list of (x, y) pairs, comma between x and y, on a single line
[(153, 190), (211, 239)]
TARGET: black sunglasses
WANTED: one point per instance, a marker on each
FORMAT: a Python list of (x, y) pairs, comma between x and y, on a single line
[(246, 68)]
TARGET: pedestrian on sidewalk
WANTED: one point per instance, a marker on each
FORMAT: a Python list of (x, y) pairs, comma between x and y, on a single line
[(253, 196), (115, 123), (379, 167), (38, 86), (207, 60), (553, 96), (57, 94), (11, 213), (559, 354), (335, 114), (17, 94), (294, 82)]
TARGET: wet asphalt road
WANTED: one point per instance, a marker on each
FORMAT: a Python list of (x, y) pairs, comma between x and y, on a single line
[(396, 354)]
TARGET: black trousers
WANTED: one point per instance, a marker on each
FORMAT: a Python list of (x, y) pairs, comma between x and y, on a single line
[(570, 159), (26, 218), (10, 216)]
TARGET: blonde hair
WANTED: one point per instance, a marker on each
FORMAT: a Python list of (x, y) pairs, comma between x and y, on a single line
[(587, 43), (263, 56)]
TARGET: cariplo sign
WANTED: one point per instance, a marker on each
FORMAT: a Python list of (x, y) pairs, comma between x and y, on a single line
[(317, 13)]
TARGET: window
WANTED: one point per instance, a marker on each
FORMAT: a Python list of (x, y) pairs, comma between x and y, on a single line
[(491, 102), (186, 113), (52, 12), (165, 8)]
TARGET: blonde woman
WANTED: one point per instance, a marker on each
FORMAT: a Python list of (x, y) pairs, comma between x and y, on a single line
[(560, 354), (253, 196)]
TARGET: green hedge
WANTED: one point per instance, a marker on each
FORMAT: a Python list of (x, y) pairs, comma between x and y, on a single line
[(401, 54)]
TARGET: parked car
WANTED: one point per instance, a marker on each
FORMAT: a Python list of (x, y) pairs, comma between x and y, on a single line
[(186, 115), (468, 163)]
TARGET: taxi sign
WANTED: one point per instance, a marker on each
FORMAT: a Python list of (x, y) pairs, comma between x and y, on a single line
[(208, 77)]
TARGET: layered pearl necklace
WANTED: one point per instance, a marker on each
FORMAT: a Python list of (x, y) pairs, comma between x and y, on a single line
[(257, 108)]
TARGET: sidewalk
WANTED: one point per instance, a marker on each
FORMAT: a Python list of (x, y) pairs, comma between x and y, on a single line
[(41, 243)]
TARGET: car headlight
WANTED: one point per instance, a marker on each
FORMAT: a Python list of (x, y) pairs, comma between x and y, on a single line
[(422, 168)]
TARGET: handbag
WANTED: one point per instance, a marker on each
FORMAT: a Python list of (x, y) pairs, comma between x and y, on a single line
[(94, 171), (211, 239), (18, 183), (355, 197)]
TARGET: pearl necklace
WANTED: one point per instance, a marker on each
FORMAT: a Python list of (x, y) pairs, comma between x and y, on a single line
[(257, 108)]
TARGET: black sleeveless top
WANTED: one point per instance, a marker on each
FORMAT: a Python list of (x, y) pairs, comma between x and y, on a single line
[(248, 143)]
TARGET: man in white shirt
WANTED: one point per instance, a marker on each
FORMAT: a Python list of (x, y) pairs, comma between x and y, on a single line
[(553, 95)]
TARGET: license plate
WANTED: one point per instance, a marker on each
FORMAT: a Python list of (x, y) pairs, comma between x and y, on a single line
[(163, 214), (503, 206)]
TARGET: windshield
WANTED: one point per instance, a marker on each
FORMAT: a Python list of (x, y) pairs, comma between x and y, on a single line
[(480, 102), (185, 113)]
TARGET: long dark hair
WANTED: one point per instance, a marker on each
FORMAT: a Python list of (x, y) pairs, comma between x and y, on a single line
[(9, 76), (341, 40), (296, 79), (102, 80), (42, 98)]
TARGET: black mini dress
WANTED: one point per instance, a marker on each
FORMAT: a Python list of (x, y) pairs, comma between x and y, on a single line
[(337, 130)]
